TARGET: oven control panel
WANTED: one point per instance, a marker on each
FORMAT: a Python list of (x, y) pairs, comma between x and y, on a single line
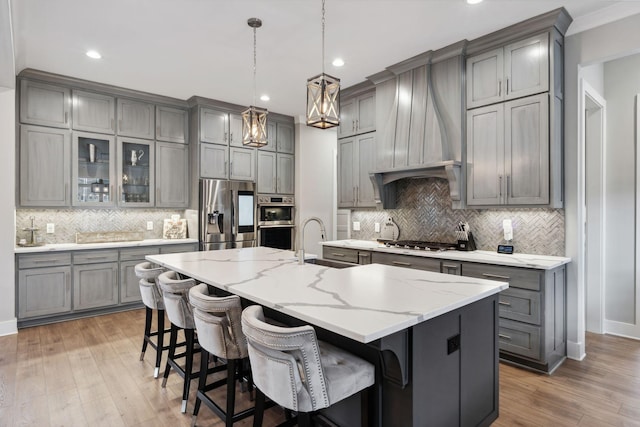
[(275, 200)]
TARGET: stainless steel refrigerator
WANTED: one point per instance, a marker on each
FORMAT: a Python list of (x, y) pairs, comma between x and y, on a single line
[(227, 214)]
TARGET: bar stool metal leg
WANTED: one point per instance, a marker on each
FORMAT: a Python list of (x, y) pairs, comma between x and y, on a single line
[(188, 368), (172, 352), (160, 342), (147, 331)]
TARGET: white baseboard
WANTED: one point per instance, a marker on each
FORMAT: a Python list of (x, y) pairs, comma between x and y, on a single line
[(9, 327), (626, 330), (575, 350)]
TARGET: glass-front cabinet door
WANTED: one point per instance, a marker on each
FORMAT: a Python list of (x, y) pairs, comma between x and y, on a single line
[(93, 170), (135, 172)]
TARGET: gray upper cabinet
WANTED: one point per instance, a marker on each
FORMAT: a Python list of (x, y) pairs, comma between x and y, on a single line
[(213, 161), (45, 168), (271, 136), (508, 153), (172, 175), (285, 138), (93, 174), (242, 164), (516, 70), (267, 178), (171, 124), (214, 126), (285, 182), (356, 159), (44, 104), (357, 115), (135, 166), (235, 130), (136, 119), (93, 112)]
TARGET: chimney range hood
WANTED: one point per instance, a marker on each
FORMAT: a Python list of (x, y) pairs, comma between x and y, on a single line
[(384, 182)]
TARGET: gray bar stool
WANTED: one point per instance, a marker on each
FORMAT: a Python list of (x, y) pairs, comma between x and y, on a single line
[(300, 373), (152, 299), (218, 323), (175, 293)]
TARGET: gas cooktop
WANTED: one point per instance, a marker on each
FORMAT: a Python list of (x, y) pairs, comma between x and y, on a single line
[(418, 245)]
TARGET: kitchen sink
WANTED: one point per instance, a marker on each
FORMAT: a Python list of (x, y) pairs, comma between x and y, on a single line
[(329, 263)]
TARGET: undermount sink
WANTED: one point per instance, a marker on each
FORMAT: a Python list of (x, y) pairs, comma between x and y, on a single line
[(329, 263)]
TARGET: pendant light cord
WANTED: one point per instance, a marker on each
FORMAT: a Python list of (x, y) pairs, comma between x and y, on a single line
[(254, 65), (322, 36)]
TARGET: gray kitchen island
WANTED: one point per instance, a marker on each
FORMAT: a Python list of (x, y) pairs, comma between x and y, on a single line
[(432, 337)]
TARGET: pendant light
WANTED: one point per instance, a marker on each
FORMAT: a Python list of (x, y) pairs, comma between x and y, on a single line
[(323, 96), (254, 119)]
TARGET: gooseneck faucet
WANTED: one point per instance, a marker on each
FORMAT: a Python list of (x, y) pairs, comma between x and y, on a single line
[(301, 241)]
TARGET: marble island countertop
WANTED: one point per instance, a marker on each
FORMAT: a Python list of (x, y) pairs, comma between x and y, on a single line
[(542, 262), (107, 245), (363, 303)]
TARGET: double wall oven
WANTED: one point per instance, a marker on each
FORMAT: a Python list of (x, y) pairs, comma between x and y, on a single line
[(276, 221)]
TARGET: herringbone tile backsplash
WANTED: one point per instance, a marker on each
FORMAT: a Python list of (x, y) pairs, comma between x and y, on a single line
[(424, 213), (68, 222)]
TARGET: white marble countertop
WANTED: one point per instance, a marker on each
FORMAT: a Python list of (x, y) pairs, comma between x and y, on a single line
[(108, 245), (542, 262), (363, 302)]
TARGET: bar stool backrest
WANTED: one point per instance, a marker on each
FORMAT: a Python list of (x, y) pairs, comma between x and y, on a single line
[(175, 293), (149, 290), (218, 322)]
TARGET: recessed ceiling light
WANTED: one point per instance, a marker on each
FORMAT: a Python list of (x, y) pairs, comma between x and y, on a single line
[(338, 62), (473, 1), (264, 98), (93, 54)]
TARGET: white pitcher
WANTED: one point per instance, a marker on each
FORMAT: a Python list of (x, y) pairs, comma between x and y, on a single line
[(135, 156)]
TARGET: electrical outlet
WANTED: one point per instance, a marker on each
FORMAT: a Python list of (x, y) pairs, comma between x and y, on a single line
[(507, 227), (377, 227), (149, 225), (356, 225), (51, 228)]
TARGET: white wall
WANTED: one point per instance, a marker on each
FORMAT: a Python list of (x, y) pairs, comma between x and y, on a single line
[(594, 75), (599, 44), (315, 182)]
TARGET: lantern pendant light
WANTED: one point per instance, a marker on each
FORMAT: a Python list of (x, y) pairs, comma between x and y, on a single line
[(254, 119), (323, 96)]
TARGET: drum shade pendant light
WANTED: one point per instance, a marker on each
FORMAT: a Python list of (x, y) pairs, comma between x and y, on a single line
[(323, 96), (254, 119)]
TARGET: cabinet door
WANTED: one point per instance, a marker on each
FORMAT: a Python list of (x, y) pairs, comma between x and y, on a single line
[(271, 137), (44, 104), (346, 184), (95, 285), (214, 126), (386, 118), (485, 155), (44, 166), (171, 124), (129, 282), (347, 118), (235, 130), (93, 173), (527, 150), (266, 172), (242, 164), (213, 161), (44, 291), (172, 175), (286, 139), (285, 174), (135, 119), (366, 160), (366, 107), (484, 78), (136, 176), (93, 112), (527, 67)]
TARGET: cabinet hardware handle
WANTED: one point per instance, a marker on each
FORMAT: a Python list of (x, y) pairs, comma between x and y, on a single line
[(449, 266), (503, 336), (120, 194), (66, 190), (496, 276), (406, 264), (224, 138), (66, 117), (158, 195), (364, 255), (357, 124), (95, 257), (508, 304), (39, 261), (509, 195), (158, 130), (353, 125), (274, 184), (111, 195), (507, 85), (500, 185), (357, 193), (231, 137), (337, 254), (278, 185), (499, 87)]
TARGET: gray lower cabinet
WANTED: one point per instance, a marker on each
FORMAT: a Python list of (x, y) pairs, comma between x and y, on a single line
[(213, 161), (407, 261), (45, 168), (44, 104), (44, 285), (176, 249), (135, 118), (354, 256), (242, 164), (93, 112), (95, 279), (129, 282), (172, 175)]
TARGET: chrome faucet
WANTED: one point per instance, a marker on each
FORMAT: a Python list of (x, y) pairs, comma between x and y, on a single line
[(301, 241)]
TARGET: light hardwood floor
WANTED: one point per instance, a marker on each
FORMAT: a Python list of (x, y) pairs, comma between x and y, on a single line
[(87, 373)]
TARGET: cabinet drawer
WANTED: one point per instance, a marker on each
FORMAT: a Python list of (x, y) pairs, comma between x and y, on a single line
[(174, 249), (95, 257), (137, 253), (519, 338), (521, 305), (517, 277), (43, 260), (340, 254), (408, 261)]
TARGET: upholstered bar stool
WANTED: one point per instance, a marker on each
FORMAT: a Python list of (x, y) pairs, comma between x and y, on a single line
[(300, 373), (175, 293), (218, 322), (152, 299)]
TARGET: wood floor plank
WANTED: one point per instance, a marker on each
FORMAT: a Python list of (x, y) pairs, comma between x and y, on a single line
[(65, 409)]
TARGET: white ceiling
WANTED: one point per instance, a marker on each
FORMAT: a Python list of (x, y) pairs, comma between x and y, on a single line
[(181, 48)]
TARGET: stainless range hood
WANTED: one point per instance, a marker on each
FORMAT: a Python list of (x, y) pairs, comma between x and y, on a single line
[(384, 182)]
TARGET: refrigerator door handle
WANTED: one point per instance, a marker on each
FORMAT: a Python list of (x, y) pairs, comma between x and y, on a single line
[(233, 216)]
